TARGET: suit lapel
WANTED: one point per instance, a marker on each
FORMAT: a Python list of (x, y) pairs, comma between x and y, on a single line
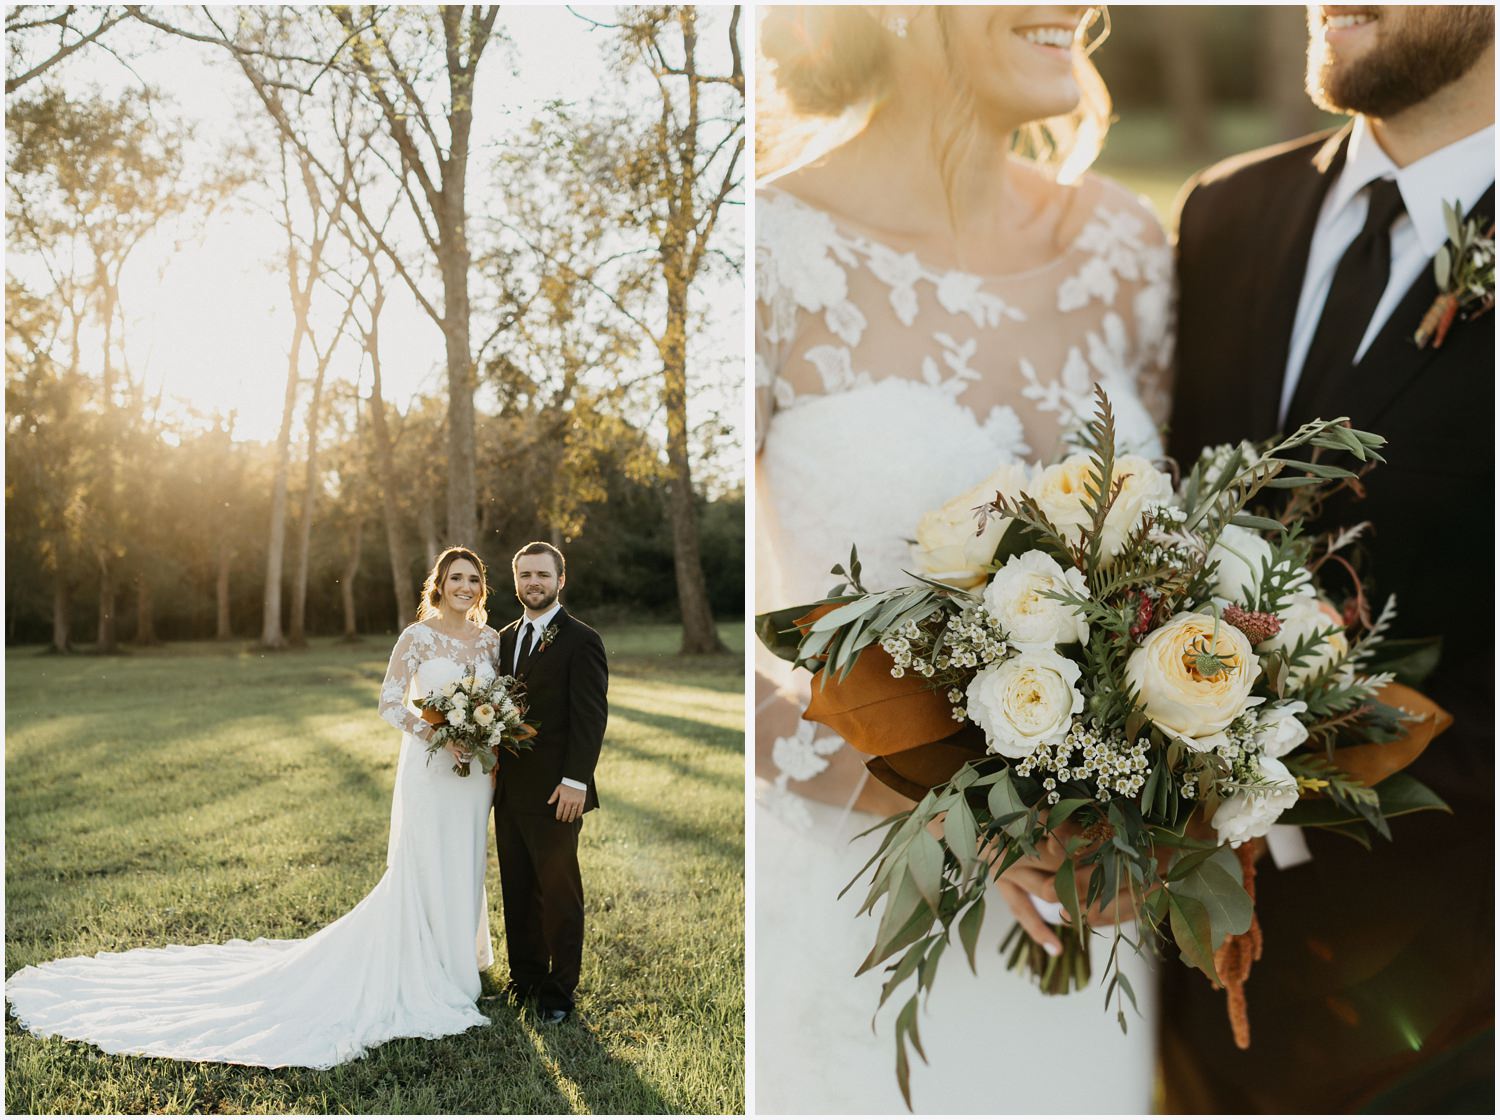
[(1393, 359), (508, 649), (1283, 267), (559, 620)]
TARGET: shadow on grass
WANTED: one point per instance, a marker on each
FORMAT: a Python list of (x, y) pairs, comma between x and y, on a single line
[(713, 735), (651, 824), (605, 1082), (686, 770)]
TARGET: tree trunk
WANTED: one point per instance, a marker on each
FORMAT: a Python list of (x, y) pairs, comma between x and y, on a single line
[(346, 584), (463, 499), (223, 632), (145, 613), (406, 606), (297, 635), (61, 620), (699, 635), (271, 635), (427, 527), (1283, 64), (1183, 62), (108, 631)]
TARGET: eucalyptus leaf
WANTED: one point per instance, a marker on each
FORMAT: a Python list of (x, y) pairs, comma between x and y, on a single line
[(1223, 897), (968, 930), (961, 834), (1193, 932), (925, 866)]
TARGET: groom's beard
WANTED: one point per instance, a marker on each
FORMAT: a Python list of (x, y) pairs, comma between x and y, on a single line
[(1418, 52), (542, 603)]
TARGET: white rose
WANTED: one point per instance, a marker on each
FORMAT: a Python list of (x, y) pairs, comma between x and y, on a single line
[(457, 718), (1301, 618), (949, 545), (1026, 702), (1061, 492), (1251, 813), (1017, 599), (484, 715), (1243, 558), (1176, 694), (1278, 730), (450, 688)]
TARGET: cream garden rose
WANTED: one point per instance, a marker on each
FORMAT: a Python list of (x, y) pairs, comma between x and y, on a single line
[(1061, 491), (1243, 558), (1303, 617), (1017, 598), (1026, 702), (484, 715), (1278, 731), (949, 548), (1176, 693), (1251, 812)]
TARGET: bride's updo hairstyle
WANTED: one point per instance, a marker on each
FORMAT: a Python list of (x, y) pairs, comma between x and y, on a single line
[(834, 61), (432, 586)]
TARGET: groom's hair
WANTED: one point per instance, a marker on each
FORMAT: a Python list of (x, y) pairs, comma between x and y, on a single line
[(537, 547)]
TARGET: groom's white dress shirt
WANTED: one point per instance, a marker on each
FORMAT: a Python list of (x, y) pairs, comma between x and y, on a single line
[(1462, 171), (539, 626)]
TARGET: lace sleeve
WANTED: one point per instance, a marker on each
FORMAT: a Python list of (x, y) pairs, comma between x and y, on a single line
[(770, 346), (400, 676)]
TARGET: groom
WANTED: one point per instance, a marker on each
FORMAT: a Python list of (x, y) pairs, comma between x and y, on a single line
[(541, 794), (1304, 271)]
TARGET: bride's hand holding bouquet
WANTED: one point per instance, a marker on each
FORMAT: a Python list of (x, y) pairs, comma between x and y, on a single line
[(1102, 695)]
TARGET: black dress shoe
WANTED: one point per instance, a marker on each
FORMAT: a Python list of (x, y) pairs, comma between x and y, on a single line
[(517, 994), (551, 1016)]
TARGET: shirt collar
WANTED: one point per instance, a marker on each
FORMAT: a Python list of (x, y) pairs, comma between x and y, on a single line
[(1463, 170), (541, 624)]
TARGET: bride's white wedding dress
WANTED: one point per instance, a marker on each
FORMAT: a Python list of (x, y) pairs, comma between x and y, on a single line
[(885, 387), (404, 963)]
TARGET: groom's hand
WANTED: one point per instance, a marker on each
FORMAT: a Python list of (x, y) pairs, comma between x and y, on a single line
[(569, 803)]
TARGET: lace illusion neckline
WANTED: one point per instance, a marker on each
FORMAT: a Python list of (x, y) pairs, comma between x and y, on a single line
[(476, 639), (862, 239)]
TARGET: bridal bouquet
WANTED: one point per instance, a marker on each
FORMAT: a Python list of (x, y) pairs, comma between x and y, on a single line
[(1144, 673), (483, 717)]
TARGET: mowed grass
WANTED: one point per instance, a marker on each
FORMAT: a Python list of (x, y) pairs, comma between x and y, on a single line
[(200, 792)]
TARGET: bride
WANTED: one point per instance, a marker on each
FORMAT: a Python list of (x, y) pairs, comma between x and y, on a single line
[(404, 963), (939, 286)]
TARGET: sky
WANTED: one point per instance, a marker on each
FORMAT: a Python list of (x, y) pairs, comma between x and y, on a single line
[(209, 318)]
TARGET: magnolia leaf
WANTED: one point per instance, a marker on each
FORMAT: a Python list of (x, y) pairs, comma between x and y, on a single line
[(1193, 932)]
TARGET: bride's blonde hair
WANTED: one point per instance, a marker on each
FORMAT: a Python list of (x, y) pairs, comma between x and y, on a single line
[(832, 64), (432, 586)]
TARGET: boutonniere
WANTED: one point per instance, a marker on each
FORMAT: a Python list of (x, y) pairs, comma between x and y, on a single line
[(547, 636), (1465, 272)]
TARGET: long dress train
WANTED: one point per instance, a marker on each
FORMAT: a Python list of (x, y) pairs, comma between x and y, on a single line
[(404, 963)]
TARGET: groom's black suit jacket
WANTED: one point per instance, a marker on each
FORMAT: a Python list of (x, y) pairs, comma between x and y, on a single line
[(1375, 989), (566, 688)]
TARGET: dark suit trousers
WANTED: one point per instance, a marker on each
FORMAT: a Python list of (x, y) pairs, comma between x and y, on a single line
[(542, 891)]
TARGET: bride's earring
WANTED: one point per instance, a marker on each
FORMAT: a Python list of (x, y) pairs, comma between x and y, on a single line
[(898, 26)]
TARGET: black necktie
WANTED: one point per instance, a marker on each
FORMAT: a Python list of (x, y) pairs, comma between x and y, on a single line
[(1358, 283), (525, 659)]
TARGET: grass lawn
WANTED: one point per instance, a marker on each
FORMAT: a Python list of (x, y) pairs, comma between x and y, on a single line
[(200, 792)]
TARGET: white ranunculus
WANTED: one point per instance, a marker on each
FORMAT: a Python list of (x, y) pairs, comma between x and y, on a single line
[(1026, 702), (1251, 813), (1017, 597), (949, 546), (1278, 730), (1243, 557), (1302, 617), (484, 715), (1061, 491), (1175, 695)]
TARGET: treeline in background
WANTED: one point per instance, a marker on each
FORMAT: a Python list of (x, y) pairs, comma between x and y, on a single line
[(575, 272)]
